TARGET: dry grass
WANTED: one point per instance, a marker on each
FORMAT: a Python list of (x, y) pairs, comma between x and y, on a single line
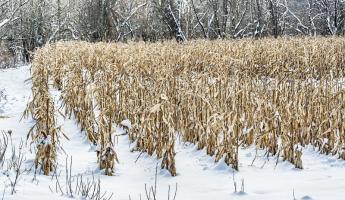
[(279, 95), (44, 133)]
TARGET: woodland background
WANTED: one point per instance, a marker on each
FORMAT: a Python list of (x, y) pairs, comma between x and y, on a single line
[(28, 24)]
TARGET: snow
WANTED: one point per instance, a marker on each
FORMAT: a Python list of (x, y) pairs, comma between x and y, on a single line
[(198, 178), (5, 21), (126, 123)]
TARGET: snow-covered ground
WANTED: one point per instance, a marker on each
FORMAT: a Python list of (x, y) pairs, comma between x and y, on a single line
[(199, 178)]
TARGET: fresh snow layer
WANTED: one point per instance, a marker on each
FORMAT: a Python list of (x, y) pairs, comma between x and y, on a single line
[(199, 178), (5, 21)]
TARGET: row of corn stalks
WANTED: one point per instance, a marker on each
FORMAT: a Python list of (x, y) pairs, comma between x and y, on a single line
[(277, 94), (44, 133)]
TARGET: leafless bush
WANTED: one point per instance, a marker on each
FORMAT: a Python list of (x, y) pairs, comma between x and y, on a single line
[(78, 186), (14, 163), (3, 147), (151, 192)]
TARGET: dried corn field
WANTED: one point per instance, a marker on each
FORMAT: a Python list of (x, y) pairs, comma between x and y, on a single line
[(277, 95), (223, 119)]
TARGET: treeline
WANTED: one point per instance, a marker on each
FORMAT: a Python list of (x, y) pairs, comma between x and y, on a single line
[(27, 24)]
